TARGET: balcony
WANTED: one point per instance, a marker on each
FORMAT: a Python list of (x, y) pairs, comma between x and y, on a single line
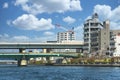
[(112, 47), (112, 41)]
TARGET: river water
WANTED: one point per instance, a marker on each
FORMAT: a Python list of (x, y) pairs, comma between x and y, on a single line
[(59, 73)]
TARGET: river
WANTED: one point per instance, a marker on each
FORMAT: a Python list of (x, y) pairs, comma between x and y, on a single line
[(58, 73)]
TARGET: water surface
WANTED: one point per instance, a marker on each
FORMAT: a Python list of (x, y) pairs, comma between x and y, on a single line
[(59, 73)]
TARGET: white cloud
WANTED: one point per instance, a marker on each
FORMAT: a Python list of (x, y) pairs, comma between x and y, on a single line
[(105, 12), (7, 38), (49, 6), (69, 20), (79, 32), (22, 38), (4, 36), (8, 22), (21, 2), (5, 5), (48, 33), (89, 17), (30, 22)]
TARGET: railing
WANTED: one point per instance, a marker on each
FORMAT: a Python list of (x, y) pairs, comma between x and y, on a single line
[(31, 55)]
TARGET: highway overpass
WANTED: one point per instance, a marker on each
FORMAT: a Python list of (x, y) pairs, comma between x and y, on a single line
[(44, 46), (34, 55), (40, 46)]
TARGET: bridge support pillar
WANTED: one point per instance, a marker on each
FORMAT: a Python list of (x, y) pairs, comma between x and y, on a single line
[(21, 50), (44, 50), (48, 61), (22, 62)]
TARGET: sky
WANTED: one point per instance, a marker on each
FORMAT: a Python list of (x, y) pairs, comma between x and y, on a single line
[(35, 20)]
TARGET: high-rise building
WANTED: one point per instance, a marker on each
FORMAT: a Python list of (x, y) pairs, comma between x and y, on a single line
[(96, 35), (104, 38), (65, 36), (91, 34)]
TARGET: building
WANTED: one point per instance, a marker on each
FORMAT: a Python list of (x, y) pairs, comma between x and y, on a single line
[(65, 36), (98, 38), (91, 34), (104, 38), (96, 35), (115, 43)]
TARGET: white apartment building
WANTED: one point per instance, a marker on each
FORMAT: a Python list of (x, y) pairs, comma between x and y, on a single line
[(115, 43), (117, 46), (91, 32), (65, 36)]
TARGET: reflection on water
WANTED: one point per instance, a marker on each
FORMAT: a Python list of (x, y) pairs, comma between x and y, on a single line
[(58, 73)]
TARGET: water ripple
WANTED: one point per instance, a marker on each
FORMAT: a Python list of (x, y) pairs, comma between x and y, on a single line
[(59, 73)]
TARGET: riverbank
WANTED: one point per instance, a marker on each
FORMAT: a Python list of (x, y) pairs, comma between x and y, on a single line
[(89, 65), (80, 65)]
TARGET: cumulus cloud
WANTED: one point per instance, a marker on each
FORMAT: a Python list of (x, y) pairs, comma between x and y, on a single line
[(69, 20), (105, 12), (30, 22), (5, 5), (48, 6)]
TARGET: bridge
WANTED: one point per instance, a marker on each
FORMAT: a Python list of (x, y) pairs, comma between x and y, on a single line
[(24, 56), (33, 55), (40, 46)]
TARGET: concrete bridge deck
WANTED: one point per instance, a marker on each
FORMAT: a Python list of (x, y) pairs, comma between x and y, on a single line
[(40, 46), (32, 55)]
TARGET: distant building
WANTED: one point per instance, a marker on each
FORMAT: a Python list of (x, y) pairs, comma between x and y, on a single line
[(65, 36), (51, 41)]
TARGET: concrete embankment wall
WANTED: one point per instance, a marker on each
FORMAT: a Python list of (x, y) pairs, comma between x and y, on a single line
[(90, 65)]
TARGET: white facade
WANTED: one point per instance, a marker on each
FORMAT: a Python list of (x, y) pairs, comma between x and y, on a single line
[(117, 46), (65, 36)]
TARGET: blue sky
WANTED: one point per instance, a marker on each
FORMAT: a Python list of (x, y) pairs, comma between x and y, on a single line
[(34, 20)]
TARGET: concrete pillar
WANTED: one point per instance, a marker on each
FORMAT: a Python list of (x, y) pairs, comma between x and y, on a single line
[(47, 50), (48, 60), (22, 62), (44, 50), (21, 50)]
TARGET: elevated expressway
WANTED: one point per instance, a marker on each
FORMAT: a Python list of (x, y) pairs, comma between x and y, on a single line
[(24, 56), (40, 46)]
